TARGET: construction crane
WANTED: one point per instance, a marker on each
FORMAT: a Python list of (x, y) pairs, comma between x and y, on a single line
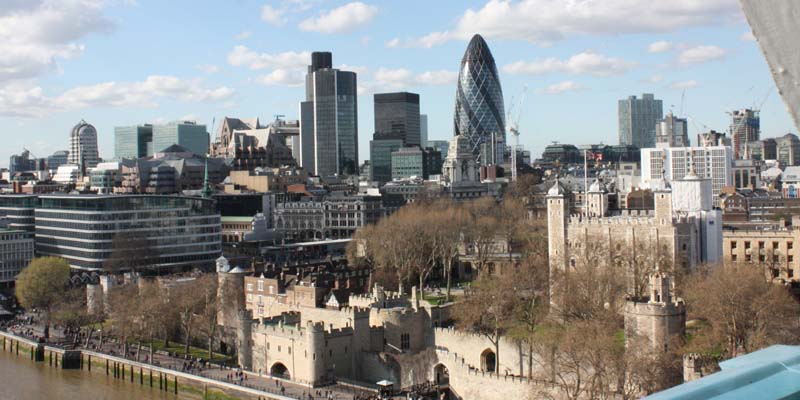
[(512, 119)]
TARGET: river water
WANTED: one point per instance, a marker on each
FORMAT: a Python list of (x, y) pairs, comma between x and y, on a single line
[(23, 379)]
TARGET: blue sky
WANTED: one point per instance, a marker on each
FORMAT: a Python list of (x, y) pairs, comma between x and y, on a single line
[(118, 62)]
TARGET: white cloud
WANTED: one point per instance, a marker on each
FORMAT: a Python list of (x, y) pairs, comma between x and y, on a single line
[(243, 35), (189, 117), (656, 78), (563, 87), (208, 68), (586, 62), (547, 21), (747, 37), (21, 101), (701, 54), (395, 42), (441, 77), (342, 19), (241, 56), (661, 46), (282, 77), (272, 15), (401, 78), (36, 35), (358, 69), (684, 84)]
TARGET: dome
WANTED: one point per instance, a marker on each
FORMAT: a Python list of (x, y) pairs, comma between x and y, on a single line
[(82, 128)]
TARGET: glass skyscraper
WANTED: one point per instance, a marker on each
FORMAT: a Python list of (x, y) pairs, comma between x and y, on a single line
[(186, 134), (133, 141), (398, 114), (637, 120), (380, 156), (329, 119), (479, 113)]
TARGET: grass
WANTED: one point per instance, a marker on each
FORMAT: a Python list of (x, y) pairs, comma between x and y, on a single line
[(435, 300)]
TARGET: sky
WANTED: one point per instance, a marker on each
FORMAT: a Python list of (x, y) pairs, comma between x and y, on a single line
[(126, 62)]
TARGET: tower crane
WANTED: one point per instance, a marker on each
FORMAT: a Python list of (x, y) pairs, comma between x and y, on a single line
[(514, 113)]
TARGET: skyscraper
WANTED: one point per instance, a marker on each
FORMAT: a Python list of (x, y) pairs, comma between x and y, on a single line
[(329, 119), (133, 141), (479, 111), (637, 120), (83, 147), (186, 134), (398, 114), (745, 127)]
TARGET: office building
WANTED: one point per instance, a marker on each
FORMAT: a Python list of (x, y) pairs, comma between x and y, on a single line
[(18, 211), (409, 162), (788, 147), (637, 120), (83, 147), (479, 109), (170, 171), (745, 128), (712, 163), (441, 146), (380, 151), (766, 149), (133, 141), (423, 130), (57, 159), (16, 251), (672, 132), (187, 134), (181, 232), (397, 114), (22, 162), (329, 119)]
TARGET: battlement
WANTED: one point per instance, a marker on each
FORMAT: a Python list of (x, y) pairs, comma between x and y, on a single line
[(640, 307), (453, 332)]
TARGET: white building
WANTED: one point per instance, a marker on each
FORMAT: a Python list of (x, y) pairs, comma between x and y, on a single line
[(674, 163), (67, 174)]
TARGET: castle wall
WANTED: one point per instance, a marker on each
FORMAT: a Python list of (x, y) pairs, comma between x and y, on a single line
[(469, 346), (657, 323), (402, 321), (468, 383)]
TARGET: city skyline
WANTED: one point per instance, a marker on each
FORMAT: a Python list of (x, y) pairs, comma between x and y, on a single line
[(125, 63)]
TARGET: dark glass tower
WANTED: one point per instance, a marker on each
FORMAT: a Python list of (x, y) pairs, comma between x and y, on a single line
[(479, 101), (329, 119)]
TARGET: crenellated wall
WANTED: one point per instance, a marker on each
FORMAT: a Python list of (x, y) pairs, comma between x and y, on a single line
[(469, 346)]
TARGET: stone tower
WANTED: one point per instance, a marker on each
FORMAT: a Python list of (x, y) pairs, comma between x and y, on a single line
[(662, 200), (557, 214), (244, 336), (230, 293), (657, 319), (597, 199), (315, 336)]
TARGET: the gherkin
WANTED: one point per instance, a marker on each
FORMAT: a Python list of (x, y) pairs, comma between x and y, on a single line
[(479, 100)]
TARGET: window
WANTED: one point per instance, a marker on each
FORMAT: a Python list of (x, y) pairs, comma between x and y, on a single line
[(733, 245), (760, 245), (774, 245), (789, 245), (746, 245), (748, 258), (790, 259), (733, 257), (249, 287), (260, 286), (405, 341)]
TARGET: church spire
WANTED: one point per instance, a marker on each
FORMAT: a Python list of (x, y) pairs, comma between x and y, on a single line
[(206, 187)]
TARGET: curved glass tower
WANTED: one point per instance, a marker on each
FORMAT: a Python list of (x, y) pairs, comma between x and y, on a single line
[(479, 103)]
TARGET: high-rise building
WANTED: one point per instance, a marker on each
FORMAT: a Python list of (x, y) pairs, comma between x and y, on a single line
[(408, 162), (745, 128), (187, 134), (766, 149), (329, 119), (398, 114), (423, 130), (133, 141), (637, 120), (83, 147), (381, 148), (441, 145), (672, 132), (479, 111), (16, 251)]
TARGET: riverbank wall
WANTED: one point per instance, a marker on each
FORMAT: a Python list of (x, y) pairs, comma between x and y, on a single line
[(133, 372)]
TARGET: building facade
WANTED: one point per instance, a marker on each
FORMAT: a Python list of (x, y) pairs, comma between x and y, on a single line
[(479, 109), (423, 130), (674, 163), (187, 134), (16, 251), (637, 120), (672, 132), (381, 148), (83, 147), (408, 162), (329, 119), (180, 232), (788, 148), (397, 114), (57, 159), (133, 141)]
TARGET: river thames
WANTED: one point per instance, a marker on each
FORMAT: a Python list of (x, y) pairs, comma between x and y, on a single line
[(22, 379)]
